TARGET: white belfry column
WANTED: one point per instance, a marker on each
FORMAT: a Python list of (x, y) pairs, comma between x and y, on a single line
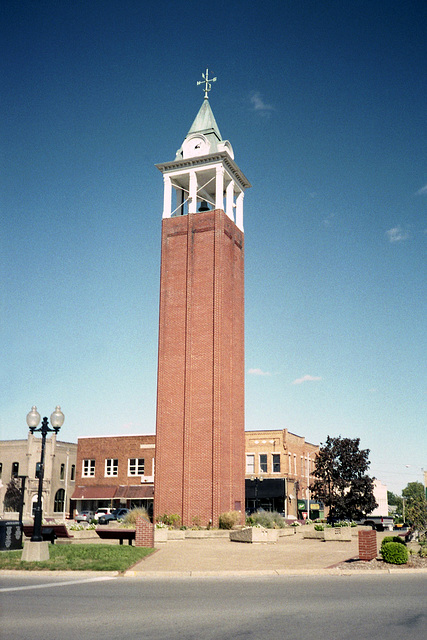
[(167, 196), (192, 205), (229, 201), (219, 188), (239, 210)]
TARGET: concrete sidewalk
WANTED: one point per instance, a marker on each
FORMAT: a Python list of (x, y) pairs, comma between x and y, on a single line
[(291, 554)]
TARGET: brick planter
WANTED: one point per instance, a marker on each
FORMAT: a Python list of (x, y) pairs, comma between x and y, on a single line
[(367, 545)]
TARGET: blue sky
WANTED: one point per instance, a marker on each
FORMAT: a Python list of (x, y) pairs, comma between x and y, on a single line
[(325, 106)]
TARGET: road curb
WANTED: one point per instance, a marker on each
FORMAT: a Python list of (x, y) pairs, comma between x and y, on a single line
[(268, 573)]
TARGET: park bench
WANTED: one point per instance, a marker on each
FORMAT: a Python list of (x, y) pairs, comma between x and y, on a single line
[(116, 534), (49, 532)]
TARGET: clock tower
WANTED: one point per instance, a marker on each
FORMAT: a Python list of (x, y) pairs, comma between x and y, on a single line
[(200, 389)]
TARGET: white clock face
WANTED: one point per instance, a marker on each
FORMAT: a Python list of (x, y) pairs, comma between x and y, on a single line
[(196, 146)]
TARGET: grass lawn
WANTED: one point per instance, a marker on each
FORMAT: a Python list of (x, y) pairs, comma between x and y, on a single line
[(79, 557)]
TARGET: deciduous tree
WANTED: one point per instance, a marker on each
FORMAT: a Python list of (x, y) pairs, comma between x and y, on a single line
[(12, 497), (341, 481), (414, 490), (416, 507)]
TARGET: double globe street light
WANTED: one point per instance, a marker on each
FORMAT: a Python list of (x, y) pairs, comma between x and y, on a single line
[(33, 420)]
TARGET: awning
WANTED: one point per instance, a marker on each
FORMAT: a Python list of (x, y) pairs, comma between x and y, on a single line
[(110, 492), (94, 492), (135, 492)]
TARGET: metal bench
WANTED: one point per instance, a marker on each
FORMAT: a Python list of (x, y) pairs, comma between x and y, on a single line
[(116, 534), (50, 532)]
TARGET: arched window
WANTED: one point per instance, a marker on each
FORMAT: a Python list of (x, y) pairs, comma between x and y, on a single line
[(59, 500)]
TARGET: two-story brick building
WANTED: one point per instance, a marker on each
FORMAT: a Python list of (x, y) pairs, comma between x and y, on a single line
[(279, 466), (115, 471)]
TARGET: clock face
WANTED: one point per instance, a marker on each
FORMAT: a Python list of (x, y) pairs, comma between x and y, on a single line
[(195, 146)]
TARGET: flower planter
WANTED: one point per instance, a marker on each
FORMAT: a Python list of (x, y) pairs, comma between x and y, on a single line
[(160, 535), (83, 534), (330, 534), (254, 534)]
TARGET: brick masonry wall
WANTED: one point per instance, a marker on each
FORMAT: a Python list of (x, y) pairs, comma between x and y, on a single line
[(144, 533), (292, 449), (116, 447), (367, 545), (200, 401)]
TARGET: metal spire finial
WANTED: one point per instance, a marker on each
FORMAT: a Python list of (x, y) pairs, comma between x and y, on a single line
[(207, 82)]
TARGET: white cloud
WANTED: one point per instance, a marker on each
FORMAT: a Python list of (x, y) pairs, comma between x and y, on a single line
[(328, 220), (396, 234), (259, 104), (258, 372), (422, 191), (306, 378)]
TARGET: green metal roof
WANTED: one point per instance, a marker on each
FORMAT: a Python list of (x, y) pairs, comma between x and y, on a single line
[(205, 121)]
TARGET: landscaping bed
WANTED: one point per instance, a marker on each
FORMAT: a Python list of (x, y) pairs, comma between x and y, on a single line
[(81, 557), (414, 562)]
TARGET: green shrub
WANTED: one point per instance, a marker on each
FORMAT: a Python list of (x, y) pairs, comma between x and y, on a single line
[(129, 521), (229, 519), (171, 520), (394, 553), (397, 539), (319, 527), (423, 551), (267, 519)]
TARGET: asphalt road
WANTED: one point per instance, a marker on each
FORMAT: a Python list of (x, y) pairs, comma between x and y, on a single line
[(386, 607)]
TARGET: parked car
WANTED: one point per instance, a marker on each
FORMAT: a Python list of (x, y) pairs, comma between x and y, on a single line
[(102, 511), (84, 516), (116, 514)]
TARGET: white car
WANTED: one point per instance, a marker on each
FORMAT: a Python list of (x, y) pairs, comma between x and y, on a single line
[(84, 516), (102, 511)]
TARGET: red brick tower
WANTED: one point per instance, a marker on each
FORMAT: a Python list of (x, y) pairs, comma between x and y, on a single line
[(200, 394)]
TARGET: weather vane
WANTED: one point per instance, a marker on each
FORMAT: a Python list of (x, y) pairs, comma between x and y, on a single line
[(207, 82)]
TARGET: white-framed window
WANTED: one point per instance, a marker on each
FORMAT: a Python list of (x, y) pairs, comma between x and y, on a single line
[(136, 466), (88, 469), (275, 462), (111, 466), (263, 463), (250, 463)]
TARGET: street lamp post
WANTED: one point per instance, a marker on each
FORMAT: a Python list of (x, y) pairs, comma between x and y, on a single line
[(33, 419), (21, 505)]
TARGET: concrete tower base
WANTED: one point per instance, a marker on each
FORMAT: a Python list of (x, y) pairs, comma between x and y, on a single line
[(35, 551)]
